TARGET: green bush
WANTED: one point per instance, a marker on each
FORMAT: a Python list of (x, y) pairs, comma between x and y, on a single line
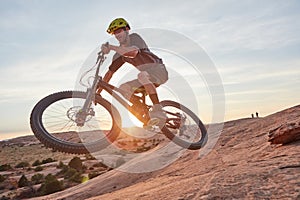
[(36, 163), (69, 173), (23, 181), (38, 168), (48, 160), (5, 167), (37, 178), (76, 163), (77, 178), (2, 178), (5, 198), (100, 164), (63, 170), (60, 165), (93, 175), (51, 185), (73, 175), (142, 149), (22, 165)]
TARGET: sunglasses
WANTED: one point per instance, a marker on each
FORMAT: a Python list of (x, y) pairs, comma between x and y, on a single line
[(119, 30)]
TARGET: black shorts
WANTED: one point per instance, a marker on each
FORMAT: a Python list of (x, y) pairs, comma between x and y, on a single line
[(158, 75)]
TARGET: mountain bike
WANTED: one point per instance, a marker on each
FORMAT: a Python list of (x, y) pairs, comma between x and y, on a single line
[(81, 122)]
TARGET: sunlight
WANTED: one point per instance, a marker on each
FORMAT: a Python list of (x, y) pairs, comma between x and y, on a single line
[(134, 121)]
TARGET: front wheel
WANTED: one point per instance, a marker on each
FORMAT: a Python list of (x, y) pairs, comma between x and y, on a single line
[(183, 127), (54, 122)]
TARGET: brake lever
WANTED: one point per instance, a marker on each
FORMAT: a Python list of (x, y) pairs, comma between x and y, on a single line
[(100, 54)]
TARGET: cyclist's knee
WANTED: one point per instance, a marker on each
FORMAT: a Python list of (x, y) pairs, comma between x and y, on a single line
[(144, 77), (126, 89)]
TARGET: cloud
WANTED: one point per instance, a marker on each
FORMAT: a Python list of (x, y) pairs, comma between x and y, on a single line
[(234, 26), (253, 44)]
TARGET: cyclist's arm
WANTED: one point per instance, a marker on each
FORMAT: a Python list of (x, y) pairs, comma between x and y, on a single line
[(130, 52), (115, 65)]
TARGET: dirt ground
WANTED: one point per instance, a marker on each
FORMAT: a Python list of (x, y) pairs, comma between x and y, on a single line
[(242, 165)]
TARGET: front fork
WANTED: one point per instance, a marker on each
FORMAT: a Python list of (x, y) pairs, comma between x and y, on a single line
[(86, 110)]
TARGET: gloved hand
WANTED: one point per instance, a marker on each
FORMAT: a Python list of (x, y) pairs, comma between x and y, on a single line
[(105, 48)]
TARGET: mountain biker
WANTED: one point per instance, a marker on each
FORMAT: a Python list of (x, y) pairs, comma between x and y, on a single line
[(134, 50)]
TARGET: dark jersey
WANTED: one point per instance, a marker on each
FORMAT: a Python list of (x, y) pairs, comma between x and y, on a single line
[(144, 56)]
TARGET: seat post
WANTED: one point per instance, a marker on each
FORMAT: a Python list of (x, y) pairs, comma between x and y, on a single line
[(143, 97)]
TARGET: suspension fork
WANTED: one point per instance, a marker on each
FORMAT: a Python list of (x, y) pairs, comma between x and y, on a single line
[(86, 109)]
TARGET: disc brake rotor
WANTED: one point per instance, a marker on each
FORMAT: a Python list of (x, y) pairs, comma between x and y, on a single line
[(75, 112)]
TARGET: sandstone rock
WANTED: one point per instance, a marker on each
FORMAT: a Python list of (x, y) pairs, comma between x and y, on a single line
[(285, 133)]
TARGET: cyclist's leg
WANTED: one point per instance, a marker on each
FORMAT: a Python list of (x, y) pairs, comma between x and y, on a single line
[(144, 79), (128, 88), (152, 77)]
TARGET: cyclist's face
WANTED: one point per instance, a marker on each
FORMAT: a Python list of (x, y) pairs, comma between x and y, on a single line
[(120, 35)]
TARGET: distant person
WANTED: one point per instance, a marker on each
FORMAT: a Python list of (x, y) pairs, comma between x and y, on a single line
[(252, 115), (133, 49), (257, 114)]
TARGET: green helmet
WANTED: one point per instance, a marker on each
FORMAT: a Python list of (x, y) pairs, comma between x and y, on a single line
[(116, 24)]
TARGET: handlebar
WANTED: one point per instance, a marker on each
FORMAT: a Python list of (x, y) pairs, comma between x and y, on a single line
[(100, 59), (101, 54)]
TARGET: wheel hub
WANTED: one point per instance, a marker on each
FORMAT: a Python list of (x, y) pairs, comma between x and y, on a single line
[(77, 115)]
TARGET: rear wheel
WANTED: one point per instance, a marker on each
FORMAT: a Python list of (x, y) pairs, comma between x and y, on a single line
[(183, 127), (54, 121)]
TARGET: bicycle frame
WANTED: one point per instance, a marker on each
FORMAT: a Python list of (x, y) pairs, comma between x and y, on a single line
[(112, 90)]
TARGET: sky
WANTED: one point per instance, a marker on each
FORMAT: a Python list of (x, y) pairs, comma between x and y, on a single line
[(254, 45)]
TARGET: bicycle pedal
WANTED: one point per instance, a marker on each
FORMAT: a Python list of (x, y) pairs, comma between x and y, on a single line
[(153, 122), (154, 129)]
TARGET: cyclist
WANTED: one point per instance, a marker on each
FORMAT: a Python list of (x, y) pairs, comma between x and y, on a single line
[(134, 50)]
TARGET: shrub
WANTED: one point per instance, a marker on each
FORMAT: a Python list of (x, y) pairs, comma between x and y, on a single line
[(22, 165), (142, 149), (38, 168), (77, 178), (93, 175), (69, 173), (23, 181), (48, 160), (5, 167), (2, 178), (73, 175), (36, 163), (100, 164), (25, 194), (60, 165), (76, 163), (37, 178), (64, 170), (51, 185), (4, 198)]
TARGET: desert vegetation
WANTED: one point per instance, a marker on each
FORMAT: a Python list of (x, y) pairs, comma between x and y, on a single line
[(36, 174)]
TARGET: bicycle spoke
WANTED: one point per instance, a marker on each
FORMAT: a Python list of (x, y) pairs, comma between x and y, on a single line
[(59, 119), (181, 125)]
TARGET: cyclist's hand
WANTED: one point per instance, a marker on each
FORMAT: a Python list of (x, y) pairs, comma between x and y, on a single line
[(105, 48)]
